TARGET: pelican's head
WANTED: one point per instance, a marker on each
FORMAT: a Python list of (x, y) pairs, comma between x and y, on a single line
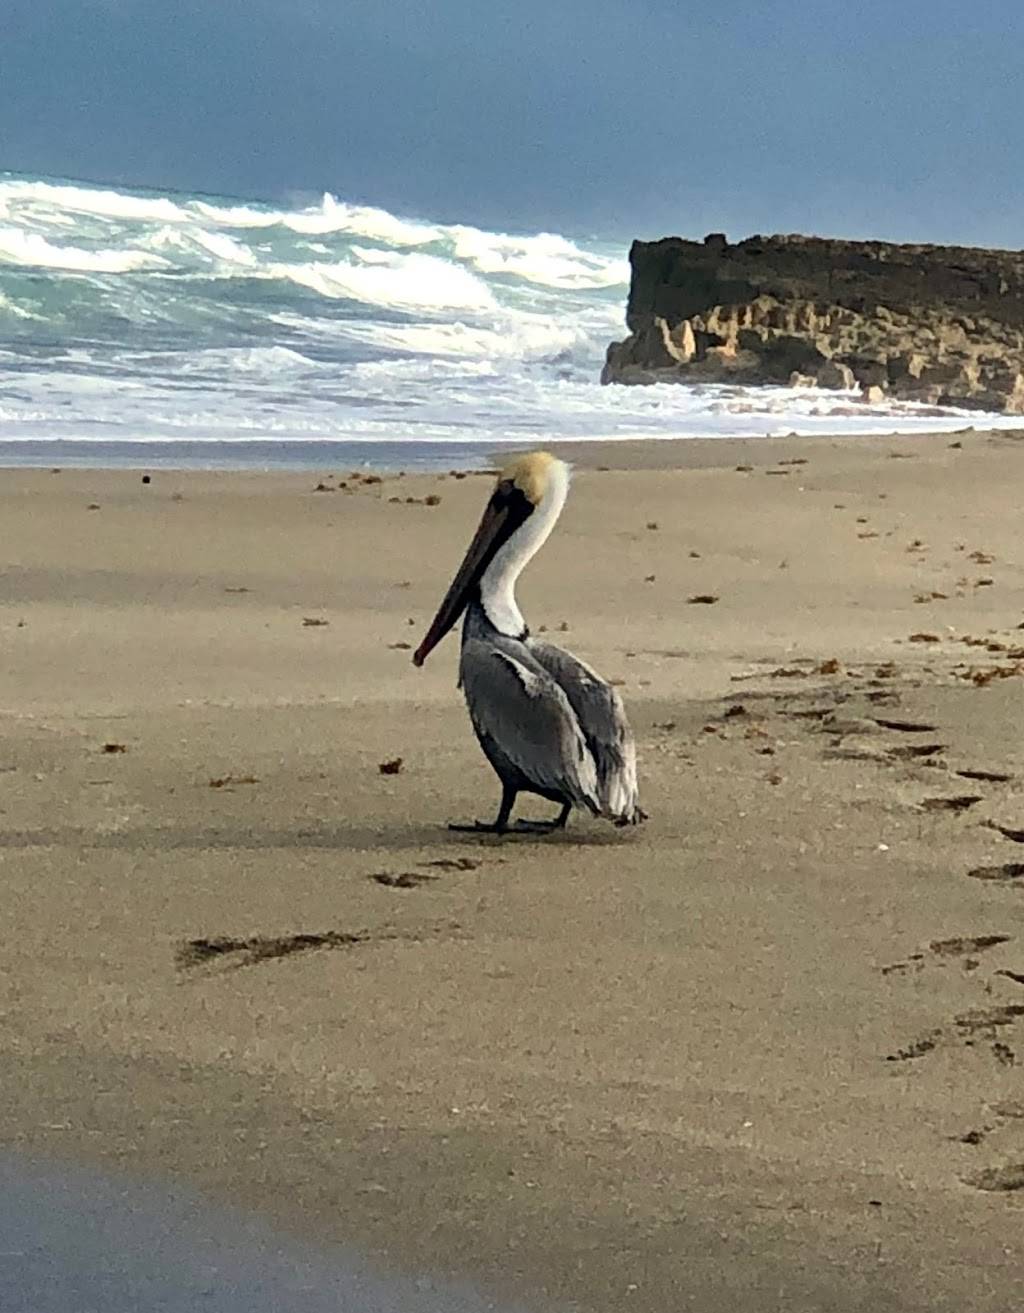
[(530, 475), (527, 500)]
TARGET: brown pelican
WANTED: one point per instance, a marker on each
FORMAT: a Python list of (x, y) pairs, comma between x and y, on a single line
[(547, 723)]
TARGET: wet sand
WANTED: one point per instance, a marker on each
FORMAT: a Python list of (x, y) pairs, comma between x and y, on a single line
[(763, 1052), (75, 1241)]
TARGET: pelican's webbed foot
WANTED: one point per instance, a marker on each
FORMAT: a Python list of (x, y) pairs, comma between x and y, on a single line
[(545, 827), (479, 827), (500, 823)]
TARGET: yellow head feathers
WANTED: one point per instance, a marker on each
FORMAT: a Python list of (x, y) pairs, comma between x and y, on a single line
[(530, 473)]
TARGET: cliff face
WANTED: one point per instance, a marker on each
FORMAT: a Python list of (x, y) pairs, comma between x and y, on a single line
[(938, 324)]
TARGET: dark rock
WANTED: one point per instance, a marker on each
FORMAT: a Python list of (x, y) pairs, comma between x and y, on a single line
[(942, 325)]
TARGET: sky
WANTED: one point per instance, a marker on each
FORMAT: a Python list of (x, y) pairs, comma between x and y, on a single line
[(898, 119)]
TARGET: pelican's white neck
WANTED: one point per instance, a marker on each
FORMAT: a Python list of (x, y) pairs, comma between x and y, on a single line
[(498, 582)]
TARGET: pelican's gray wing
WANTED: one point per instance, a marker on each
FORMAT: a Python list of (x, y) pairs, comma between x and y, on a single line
[(525, 723), (602, 718)]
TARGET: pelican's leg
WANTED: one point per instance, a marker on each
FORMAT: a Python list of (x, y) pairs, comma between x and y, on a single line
[(638, 815), (545, 827), (500, 823)]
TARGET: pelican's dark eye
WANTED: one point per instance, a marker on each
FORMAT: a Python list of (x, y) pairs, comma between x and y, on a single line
[(511, 499)]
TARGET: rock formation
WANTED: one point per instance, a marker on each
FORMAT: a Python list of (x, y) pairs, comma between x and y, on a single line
[(937, 324)]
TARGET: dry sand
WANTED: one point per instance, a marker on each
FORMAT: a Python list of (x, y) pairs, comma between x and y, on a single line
[(762, 1053)]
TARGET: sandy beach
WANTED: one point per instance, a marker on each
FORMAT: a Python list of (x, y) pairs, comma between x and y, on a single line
[(762, 1053)]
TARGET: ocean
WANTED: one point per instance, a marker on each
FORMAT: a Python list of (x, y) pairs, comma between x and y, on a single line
[(159, 328)]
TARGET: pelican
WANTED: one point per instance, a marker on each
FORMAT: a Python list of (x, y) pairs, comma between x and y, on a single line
[(547, 723)]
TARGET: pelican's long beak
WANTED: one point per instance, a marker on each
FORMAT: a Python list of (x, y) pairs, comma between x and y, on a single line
[(502, 516)]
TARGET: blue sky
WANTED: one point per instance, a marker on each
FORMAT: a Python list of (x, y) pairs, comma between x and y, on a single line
[(902, 119)]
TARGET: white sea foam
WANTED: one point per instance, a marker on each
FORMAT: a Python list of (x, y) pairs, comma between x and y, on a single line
[(192, 239), (25, 248), (390, 280), (521, 337), (8, 306), (217, 320), (235, 216), (548, 259), (105, 204), (259, 361), (335, 216), (330, 216)]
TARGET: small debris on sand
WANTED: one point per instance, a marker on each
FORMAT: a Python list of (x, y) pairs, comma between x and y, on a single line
[(403, 880), (916, 1049), (226, 781), (980, 676)]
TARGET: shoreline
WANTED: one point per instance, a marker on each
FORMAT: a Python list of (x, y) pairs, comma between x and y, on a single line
[(429, 457), (762, 1052)]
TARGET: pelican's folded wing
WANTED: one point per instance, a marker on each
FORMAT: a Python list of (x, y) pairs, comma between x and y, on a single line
[(523, 718), (602, 718)]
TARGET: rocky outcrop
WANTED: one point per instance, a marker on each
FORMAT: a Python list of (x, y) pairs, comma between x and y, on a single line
[(937, 324)]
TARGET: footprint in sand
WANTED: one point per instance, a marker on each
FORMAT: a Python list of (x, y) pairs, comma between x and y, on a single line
[(965, 1030), (985, 776), (414, 879), (233, 953), (1006, 1178), (975, 1026), (957, 803), (1006, 873), (1015, 836)]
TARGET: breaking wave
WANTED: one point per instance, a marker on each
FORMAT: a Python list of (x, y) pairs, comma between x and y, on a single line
[(136, 316)]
